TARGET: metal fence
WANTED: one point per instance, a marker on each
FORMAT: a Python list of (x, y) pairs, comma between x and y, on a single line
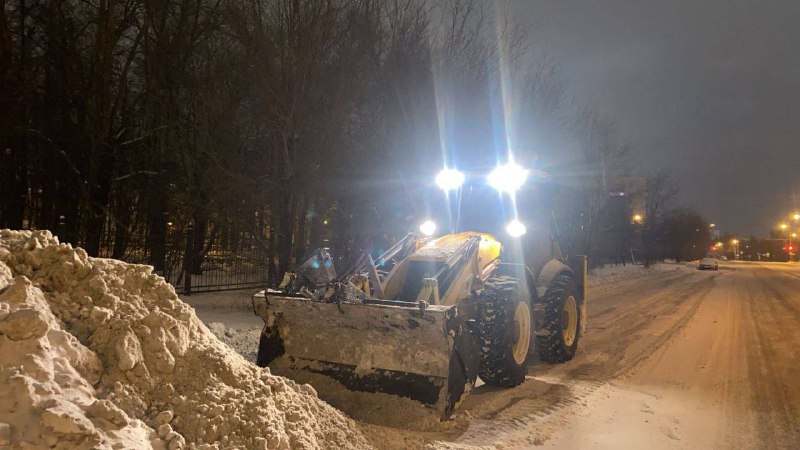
[(239, 263), (223, 266)]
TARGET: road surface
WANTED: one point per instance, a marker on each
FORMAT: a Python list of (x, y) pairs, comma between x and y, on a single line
[(672, 359)]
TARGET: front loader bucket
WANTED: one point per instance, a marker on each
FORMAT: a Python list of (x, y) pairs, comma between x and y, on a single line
[(427, 354)]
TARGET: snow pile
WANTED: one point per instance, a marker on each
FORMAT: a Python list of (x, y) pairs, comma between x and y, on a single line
[(243, 341), (608, 273), (99, 353), (612, 273), (46, 379)]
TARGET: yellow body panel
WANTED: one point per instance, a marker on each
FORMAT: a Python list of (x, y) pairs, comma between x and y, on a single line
[(441, 249), (477, 269)]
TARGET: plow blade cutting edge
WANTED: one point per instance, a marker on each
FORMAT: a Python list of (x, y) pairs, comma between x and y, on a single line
[(426, 354)]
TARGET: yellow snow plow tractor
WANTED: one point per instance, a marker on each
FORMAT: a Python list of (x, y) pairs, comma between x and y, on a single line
[(424, 319)]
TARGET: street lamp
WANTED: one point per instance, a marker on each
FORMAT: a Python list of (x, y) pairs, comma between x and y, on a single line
[(789, 246), (735, 243), (637, 219), (796, 216)]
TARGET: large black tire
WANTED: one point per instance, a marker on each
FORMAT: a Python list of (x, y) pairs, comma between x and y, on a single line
[(496, 329), (553, 343)]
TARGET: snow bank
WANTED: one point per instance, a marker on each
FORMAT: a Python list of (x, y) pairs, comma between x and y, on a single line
[(96, 353), (243, 341), (611, 273)]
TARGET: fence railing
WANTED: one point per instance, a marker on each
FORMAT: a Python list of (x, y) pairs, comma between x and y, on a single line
[(223, 267), (239, 263)]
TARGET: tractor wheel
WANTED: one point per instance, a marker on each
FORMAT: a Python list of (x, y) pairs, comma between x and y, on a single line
[(505, 331), (558, 332)]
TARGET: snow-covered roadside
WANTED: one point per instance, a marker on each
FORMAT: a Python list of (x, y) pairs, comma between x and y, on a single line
[(96, 353), (612, 273)]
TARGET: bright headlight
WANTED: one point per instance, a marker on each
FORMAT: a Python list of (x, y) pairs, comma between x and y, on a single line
[(449, 179), (508, 177), (427, 228), (515, 228)]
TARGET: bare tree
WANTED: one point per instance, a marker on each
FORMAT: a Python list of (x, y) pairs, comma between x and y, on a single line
[(661, 192), (129, 120)]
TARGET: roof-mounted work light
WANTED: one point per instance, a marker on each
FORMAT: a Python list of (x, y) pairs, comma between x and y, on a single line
[(508, 177), (449, 179)]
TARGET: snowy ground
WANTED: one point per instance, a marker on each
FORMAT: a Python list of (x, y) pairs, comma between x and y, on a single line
[(674, 358), (234, 308)]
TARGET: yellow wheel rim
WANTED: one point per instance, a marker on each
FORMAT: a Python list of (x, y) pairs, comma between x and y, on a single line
[(522, 332), (569, 320)]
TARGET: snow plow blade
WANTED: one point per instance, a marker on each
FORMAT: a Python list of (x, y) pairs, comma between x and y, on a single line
[(397, 348)]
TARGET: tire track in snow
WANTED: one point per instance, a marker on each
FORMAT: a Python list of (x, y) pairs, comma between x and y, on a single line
[(523, 420), (778, 419)]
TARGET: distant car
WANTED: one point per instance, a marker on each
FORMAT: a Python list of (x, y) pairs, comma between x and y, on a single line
[(708, 264)]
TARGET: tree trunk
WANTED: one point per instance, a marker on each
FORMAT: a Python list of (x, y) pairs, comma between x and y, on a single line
[(122, 227), (14, 167), (285, 230), (272, 250), (315, 236), (300, 242), (200, 230), (98, 202), (157, 224)]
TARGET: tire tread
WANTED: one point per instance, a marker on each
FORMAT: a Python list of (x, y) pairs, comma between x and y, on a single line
[(495, 319), (550, 346)]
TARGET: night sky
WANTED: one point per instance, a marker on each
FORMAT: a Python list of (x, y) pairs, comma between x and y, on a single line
[(709, 90)]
